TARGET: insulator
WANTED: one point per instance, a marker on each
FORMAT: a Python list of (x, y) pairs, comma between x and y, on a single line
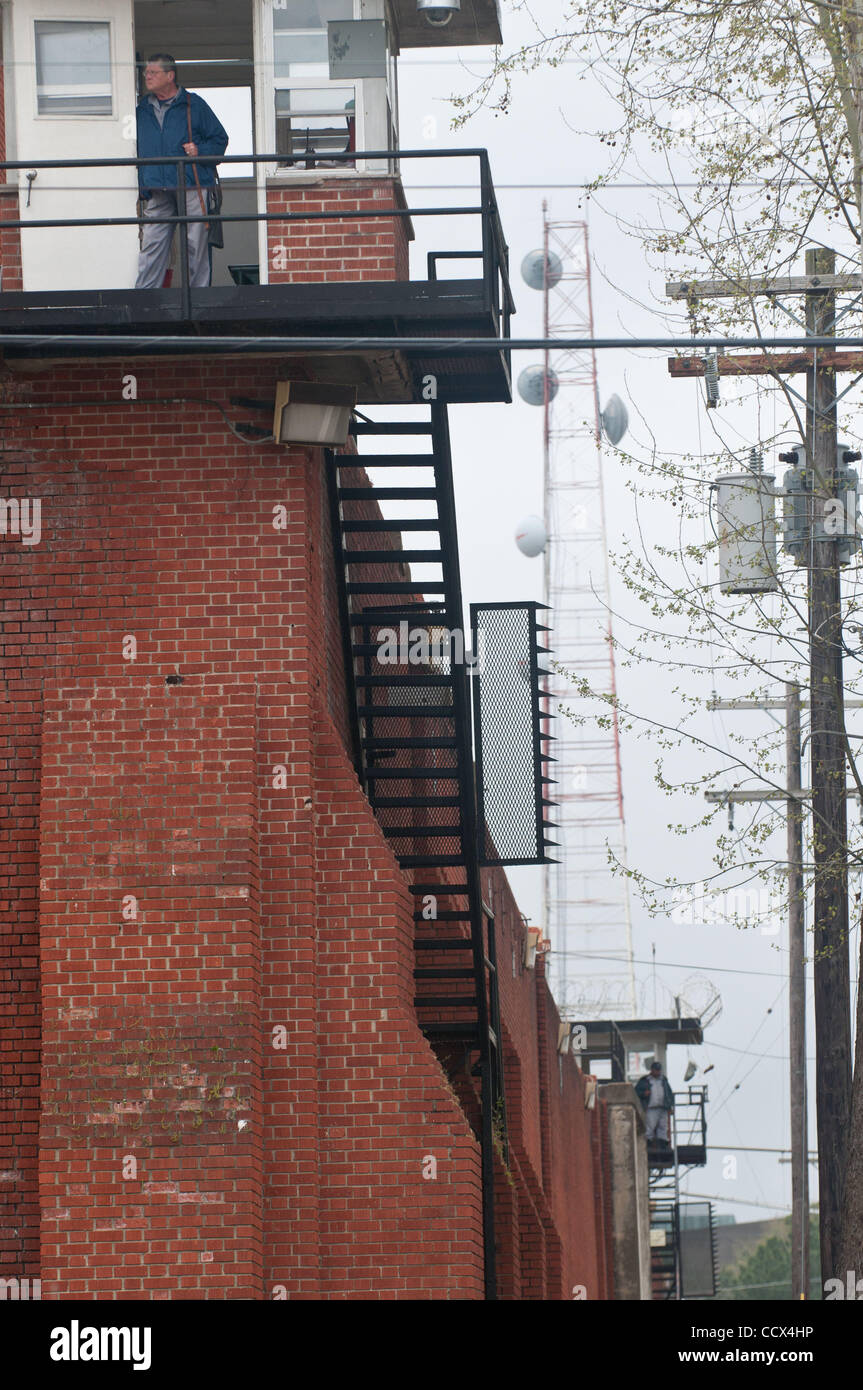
[(711, 379)]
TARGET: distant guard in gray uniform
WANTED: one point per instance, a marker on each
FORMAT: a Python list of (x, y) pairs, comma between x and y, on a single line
[(657, 1098)]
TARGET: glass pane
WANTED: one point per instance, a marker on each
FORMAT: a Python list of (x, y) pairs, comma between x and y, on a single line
[(330, 101), (301, 55), (314, 121), (73, 64), (311, 14), (75, 106)]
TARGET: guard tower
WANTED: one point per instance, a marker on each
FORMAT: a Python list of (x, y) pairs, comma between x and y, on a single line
[(233, 820), (683, 1256)]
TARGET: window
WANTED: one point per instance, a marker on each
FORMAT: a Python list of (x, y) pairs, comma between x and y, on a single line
[(314, 116), (312, 122), (318, 116), (73, 68), (300, 36)]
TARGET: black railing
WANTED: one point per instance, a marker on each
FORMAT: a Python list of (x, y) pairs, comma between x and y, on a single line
[(604, 1043), (493, 251), (690, 1117)]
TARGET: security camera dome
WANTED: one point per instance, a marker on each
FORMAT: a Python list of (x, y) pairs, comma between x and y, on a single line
[(438, 12)]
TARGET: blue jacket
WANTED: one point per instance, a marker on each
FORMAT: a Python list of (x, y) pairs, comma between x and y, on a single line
[(208, 134), (642, 1090)]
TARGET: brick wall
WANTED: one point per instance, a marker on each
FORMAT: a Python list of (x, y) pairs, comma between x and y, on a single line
[(10, 241), (553, 1212), (563, 1212), (150, 1145), (237, 1101), (248, 1039), (337, 248)]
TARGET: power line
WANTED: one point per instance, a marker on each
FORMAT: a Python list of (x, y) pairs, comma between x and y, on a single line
[(765, 1056), (773, 1284), (684, 965), (736, 1201), (742, 1148)]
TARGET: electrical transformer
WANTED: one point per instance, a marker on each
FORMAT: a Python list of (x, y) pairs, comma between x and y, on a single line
[(745, 505), (828, 513)]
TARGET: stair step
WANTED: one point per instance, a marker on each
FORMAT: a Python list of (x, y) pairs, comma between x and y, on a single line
[(391, 427), (387, 494), (442, 972), (402, 681), (412, 774), (421, 832), (444, 1001), (397, 586), (406, 711), (387, 802), (447, 943), (444, 741), (431, 615), (393, 524), (397, 460), (420, 890), (404, 557), (445, 916), (469, 1031), (431, 861)]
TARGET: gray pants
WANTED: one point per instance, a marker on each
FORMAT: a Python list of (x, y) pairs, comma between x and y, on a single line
[(155, 254), (657, 1122)]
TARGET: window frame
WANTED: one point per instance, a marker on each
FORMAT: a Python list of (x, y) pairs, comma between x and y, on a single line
[(270, 84), (74, 115)]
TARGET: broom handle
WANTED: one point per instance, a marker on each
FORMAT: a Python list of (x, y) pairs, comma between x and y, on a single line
[(194, 166)]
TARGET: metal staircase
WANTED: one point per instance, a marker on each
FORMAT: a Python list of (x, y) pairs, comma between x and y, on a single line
[(409, 693), (664, 1248), (679, 1270)]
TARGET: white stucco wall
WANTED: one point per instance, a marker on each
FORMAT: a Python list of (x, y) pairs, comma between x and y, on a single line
[(75, 258)]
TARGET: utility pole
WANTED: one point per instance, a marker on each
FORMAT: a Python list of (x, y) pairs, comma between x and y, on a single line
[(827, 752), (795, 797), (797, 1001), (827, 758)]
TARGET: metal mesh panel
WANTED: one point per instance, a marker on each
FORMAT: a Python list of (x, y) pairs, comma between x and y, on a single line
[(508, 748), (697, 1250)]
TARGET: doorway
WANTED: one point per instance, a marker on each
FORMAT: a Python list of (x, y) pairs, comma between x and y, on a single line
[(213, 43)]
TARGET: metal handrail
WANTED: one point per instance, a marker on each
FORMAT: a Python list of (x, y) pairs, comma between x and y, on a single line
[(693, 1102), (495, 252)]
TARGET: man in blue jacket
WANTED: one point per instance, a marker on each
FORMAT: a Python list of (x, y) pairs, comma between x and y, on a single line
[(173, 122), (657, 1098)]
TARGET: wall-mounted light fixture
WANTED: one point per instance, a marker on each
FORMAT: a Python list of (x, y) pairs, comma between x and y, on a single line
[(531, 946), (314, 413)]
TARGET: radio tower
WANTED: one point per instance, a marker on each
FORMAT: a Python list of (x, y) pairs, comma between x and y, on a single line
[(586, 903)]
